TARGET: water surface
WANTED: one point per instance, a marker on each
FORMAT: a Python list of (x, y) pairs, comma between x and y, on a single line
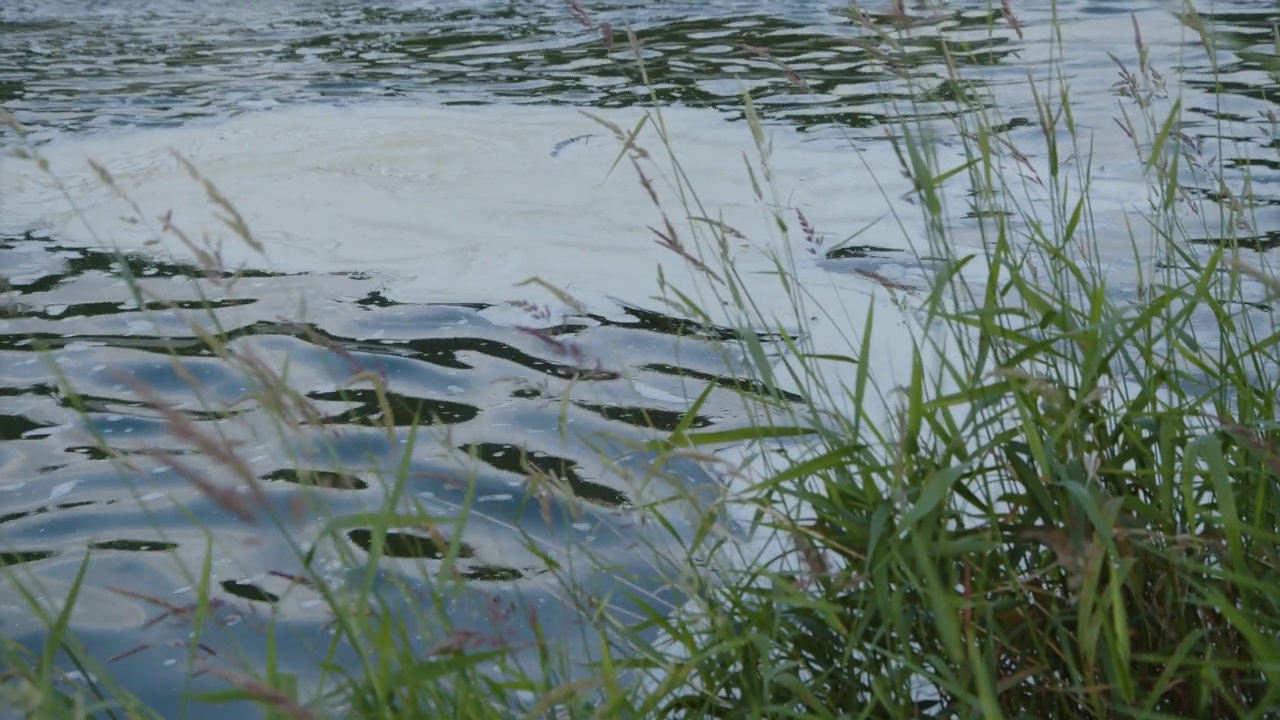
[(405, 164)]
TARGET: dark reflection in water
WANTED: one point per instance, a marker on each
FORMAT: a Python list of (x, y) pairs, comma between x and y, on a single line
[(331, 480), (459, 417), (515, 460), (133, 545), (249, 55), (399, 544), (15, 558), (72, 64)]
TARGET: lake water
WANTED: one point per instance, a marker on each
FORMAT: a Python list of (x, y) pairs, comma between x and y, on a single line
[(405, 165)]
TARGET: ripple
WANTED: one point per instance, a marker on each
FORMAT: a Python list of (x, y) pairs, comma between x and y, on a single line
[(427, 402)]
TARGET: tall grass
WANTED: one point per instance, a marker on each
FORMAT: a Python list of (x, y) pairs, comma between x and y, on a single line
[(1071, 513), (1074, 513)]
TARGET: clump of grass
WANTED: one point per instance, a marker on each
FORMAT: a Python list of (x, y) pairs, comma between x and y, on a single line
[(1073, 513)]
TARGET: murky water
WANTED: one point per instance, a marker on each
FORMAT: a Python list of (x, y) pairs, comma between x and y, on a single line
[(405, 164)]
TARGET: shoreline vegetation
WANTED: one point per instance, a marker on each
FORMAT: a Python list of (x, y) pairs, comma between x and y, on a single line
[(1067, 510)]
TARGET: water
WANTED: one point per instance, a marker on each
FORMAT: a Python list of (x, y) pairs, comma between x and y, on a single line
[(485, 397), (405, 165)]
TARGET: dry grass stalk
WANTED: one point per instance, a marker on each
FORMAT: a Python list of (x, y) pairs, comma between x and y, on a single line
[(789, 72), (264, 694), (580, 14), (1009, 17)]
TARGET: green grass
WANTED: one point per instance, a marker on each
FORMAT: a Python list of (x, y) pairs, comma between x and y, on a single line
[(1071, 514), (1074, 514)]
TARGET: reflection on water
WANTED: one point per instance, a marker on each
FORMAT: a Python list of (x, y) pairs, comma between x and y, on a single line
[(487, 401), (73, 64), (102, 469)]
